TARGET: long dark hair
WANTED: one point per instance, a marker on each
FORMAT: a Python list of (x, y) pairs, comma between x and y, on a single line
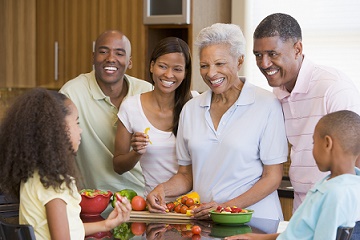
[(182, 93), (34, 137)]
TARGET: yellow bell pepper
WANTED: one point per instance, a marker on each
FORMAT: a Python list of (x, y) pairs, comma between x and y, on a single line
[(146, 132)]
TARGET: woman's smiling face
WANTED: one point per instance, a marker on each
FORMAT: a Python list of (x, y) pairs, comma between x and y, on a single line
[(168, 71), (218, 68)]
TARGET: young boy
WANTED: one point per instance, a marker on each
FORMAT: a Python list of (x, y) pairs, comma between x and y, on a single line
[(334, 201)]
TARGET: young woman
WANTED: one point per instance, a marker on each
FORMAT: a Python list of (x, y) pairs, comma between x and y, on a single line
[(149, 121)]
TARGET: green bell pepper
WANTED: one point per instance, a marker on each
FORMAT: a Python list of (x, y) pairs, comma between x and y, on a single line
[(128, 193), (123, 232)]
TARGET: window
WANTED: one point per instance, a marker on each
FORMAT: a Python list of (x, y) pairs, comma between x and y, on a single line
[(330, 29)]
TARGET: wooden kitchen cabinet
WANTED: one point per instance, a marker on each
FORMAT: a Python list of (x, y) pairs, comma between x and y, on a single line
[(287, 207), (17, 43), (65, 32), (126, 16), (48, 42)]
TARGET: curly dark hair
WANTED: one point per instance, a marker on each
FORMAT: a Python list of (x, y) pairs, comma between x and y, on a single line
[(279, 24), (34, 137), (182, 93)]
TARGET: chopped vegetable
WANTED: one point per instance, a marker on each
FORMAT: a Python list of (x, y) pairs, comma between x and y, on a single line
[(146, 132), (94, 192), (128, 193)]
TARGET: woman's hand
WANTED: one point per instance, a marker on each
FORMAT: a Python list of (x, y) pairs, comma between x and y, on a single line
[(156, 200), (139, 141), (202, 212)]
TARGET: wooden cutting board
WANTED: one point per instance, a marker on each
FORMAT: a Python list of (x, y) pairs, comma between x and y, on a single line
[(149, 215)]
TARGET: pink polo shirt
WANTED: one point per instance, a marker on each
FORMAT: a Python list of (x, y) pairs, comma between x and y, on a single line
[(318, 91)]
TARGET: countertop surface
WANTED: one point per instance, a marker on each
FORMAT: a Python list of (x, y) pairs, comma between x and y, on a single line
[(181, 229), (285, 189)]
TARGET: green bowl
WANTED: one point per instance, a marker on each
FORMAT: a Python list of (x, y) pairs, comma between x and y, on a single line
[(221, 231), (231, 218)]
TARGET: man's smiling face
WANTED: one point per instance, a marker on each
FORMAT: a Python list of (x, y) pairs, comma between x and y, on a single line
[(112, 57), (278, 60)]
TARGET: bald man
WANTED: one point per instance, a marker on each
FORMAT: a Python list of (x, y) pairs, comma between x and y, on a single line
[(98, 96)]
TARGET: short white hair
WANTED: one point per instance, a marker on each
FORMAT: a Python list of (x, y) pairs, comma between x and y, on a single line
[(223, 33)]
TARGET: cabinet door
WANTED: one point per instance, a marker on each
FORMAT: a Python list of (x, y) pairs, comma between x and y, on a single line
[(17, 43), (127, 16), (66, 30), (81, 30), (50, 43)]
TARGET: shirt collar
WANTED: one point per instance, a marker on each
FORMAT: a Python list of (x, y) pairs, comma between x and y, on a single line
[(247, 95), (302, 84), (319, 186), (96, 91)]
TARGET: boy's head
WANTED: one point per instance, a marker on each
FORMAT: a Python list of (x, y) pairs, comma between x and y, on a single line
[(337, 131)]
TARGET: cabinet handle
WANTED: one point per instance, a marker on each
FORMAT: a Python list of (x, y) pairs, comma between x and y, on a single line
[(56, 67)]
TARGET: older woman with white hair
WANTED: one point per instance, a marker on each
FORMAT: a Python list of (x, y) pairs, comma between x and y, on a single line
[(231, 139)]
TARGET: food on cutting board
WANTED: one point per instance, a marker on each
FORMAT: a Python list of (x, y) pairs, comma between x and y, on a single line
[(184, 204), (138, 203)]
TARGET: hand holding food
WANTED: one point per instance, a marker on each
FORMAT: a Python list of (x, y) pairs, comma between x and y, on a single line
[(139, 142), (128, 193), (120, 214), (155, 200)]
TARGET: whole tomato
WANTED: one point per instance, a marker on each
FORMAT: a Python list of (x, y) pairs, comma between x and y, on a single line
[(138, 203), (189, 202), (183, 199), (183, 209), (138, 228), (196, 229), (170, 206), (177, 209)]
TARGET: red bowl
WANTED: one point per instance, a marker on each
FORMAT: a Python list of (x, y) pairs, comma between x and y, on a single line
[(94, 204)]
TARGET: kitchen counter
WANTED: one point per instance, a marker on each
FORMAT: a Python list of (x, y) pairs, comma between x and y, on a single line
[(286, 190), (9, 208), (181, 229)]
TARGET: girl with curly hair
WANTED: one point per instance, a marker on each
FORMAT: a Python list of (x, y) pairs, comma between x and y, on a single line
[(39, 137)]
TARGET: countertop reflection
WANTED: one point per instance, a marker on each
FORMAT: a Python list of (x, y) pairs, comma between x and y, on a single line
[(152, 229)]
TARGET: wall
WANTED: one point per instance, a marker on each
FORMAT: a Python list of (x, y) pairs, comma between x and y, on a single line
[(205, 14)]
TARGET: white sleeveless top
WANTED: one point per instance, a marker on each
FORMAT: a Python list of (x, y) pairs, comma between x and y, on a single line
[(159, 163)]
